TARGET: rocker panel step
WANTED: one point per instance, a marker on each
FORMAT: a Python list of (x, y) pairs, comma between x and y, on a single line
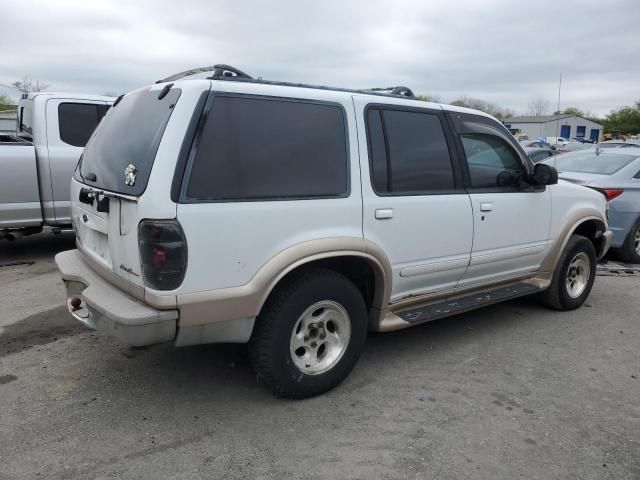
[(451, 307)]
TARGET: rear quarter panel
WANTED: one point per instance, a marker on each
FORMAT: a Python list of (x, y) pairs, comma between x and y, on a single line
[(228, 242), (19, 196), (570, 205), (624, 211)]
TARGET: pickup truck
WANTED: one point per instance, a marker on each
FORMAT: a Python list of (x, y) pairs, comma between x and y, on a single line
[(38, 161)]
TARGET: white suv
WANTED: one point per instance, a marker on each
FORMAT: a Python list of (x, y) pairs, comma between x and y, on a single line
[(296, 218)]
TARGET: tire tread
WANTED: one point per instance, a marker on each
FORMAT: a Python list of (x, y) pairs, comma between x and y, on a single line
[(265, 328)]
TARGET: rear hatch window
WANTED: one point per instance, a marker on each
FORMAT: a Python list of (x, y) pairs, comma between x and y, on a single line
[(120, 154)]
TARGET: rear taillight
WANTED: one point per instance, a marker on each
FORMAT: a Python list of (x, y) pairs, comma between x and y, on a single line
[(163, 253), (610, 193)]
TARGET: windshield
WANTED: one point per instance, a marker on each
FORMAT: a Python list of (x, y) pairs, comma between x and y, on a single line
[(591, 162), (120, 154)]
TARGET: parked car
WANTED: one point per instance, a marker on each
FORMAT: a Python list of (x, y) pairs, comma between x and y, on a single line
[(536, 144), (539, 154), (615, 173), (617, 144), (572, 147), (38, 161), (557, 141), (582, 140), (295, 218)]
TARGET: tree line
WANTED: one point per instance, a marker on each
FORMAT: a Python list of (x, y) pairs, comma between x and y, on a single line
[(624, 119)]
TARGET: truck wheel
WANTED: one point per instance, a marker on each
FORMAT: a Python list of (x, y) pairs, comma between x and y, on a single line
[(630, 250), (574, 275), (309, 334)]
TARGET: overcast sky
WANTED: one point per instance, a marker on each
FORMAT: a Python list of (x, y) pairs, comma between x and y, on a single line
[(500, 51)]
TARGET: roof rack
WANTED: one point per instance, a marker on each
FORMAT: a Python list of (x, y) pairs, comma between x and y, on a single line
[(400, 90), (229, 73), (219, 71)]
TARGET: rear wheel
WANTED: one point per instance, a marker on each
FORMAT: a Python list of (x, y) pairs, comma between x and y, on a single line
[(310, 334), (574, 275), (630, 250)]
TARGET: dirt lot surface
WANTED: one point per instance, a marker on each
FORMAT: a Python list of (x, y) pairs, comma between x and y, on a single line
[(511, 391)]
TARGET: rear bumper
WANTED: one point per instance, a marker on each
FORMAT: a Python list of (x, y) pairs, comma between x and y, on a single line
[(108, 309)]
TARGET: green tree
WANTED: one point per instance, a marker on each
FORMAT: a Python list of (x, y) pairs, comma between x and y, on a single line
[(573, 111), (625, 119), (6, 103), (428, 97)]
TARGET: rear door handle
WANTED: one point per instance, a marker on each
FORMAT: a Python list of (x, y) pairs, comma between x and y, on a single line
[(382, 213), (486, 206)]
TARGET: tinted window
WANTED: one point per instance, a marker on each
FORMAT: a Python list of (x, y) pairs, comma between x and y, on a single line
[(539, 156), (77, 121), (416, 158), (591, 162), (129, 134), (254, 148), (377, 151), (25, 123), (492, 162)]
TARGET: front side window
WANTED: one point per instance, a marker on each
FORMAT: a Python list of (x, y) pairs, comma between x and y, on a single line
[(492, 162), (77, 121), (257, 148), (408, 152)]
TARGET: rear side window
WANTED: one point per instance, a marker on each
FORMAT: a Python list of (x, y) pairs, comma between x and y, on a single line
[(257, 148), (408, 152), (77, 121), (129, 135)]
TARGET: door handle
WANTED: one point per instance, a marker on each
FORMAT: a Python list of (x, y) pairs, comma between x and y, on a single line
[(382, 213), (486, 207)]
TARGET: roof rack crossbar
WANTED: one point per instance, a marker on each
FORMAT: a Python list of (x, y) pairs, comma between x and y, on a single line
[(222, 70), (399, 90), (219, 71)]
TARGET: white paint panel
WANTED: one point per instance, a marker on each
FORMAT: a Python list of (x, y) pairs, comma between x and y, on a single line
[(511, 238), (428, 240)]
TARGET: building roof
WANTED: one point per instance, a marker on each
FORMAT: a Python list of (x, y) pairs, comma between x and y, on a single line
[(543, 119), (537, 118)]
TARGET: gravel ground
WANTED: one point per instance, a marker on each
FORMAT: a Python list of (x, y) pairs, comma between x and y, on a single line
[(510, 391)]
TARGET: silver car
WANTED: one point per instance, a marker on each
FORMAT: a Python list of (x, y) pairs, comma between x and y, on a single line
[(616, 173)]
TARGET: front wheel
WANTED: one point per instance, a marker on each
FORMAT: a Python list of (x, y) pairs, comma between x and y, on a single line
[(309, 334), (574, 275)]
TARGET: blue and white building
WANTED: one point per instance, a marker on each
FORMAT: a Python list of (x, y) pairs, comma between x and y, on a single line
[(566, 126)]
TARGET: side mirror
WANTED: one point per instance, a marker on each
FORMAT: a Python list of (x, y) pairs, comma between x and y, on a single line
[(544, 174)]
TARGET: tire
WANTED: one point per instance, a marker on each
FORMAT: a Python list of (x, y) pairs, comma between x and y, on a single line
[(572, 283), (310, 334), (629, 252)]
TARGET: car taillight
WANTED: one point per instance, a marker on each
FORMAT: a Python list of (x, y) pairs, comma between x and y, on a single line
[(163, 253), (610, 193)]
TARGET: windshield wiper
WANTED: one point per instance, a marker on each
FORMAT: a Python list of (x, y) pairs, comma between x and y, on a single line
[(91, 177)]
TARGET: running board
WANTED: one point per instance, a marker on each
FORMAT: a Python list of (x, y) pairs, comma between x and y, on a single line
[(450, 307)]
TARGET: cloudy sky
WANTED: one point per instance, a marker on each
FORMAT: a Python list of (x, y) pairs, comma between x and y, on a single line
[(500, 51)]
